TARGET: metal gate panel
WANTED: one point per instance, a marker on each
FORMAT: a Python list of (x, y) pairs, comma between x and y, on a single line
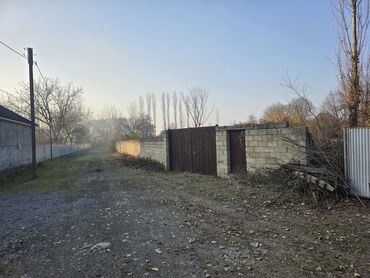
[(203, 141), (357, 160), (180, 150), (238, 162), (193, 150)]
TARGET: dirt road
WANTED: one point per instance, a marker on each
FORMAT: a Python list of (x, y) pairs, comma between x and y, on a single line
[(116, 221)]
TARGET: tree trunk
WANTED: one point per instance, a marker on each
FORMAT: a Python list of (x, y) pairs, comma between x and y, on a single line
[(355, 86)]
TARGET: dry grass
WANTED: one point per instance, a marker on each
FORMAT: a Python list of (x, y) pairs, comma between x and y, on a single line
[(138, 163), (328, 239)]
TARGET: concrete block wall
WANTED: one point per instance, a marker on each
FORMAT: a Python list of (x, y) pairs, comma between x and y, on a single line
[(129, 147), (156, 149), (222, 152), (265, 147), (271, 147)]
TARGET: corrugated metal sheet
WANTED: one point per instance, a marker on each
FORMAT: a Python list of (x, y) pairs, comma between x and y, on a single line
[(357, 160)]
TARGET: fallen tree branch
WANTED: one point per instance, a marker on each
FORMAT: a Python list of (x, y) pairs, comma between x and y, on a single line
[(312, 179)]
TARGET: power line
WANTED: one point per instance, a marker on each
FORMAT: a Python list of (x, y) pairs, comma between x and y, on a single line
[(23, 56), (12, 49), (37, 66)]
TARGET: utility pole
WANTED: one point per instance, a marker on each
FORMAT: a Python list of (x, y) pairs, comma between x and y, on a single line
[(32, 102)]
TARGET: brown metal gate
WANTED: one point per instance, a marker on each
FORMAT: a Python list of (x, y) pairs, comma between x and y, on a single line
[(193, 150), (238, 163)]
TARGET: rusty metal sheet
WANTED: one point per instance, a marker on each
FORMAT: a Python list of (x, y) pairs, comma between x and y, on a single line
[(238, 162)]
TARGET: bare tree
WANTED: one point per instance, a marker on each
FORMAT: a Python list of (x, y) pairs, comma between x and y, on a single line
[(306, 106), (110, 129), (137, 125), (333, 104), (154, 108), (141, 105), (276, 112), (365, 96), (353, 36), (163, 108), (186, 100), (68, 103), (196, 104), (252, 119), (174, 105), (330, 127), (149, 105), (299, 111), (181, 113), (168, 102), (217, 116), (3, 97), (58, 108), (110, 112)]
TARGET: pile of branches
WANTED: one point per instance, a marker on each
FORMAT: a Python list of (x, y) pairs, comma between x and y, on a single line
[(314, 182), (323, 176), (286, 185)]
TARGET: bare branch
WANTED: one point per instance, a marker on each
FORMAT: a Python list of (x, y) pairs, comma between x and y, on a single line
[(197, 107)]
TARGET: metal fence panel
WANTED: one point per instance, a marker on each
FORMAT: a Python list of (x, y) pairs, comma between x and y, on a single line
[(180, 150), (357, 160), (193, 150), (238, 161)]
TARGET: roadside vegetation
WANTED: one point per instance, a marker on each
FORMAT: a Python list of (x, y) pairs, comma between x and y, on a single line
[(139, 163), (266, 187), (52, 175)]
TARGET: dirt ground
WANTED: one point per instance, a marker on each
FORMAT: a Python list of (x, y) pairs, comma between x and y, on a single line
[(112, 220)]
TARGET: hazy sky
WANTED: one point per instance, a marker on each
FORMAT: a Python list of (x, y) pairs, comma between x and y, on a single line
[(239, 51)]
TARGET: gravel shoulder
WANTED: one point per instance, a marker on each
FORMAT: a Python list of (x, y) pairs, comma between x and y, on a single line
[(111, 220)]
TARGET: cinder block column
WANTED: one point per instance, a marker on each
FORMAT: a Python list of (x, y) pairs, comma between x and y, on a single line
[(250, 149), (222, 152)]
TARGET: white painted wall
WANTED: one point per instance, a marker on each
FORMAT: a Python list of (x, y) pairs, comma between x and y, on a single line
[(16, 149)]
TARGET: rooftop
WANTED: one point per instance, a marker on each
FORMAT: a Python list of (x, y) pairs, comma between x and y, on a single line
[(7, 114)]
